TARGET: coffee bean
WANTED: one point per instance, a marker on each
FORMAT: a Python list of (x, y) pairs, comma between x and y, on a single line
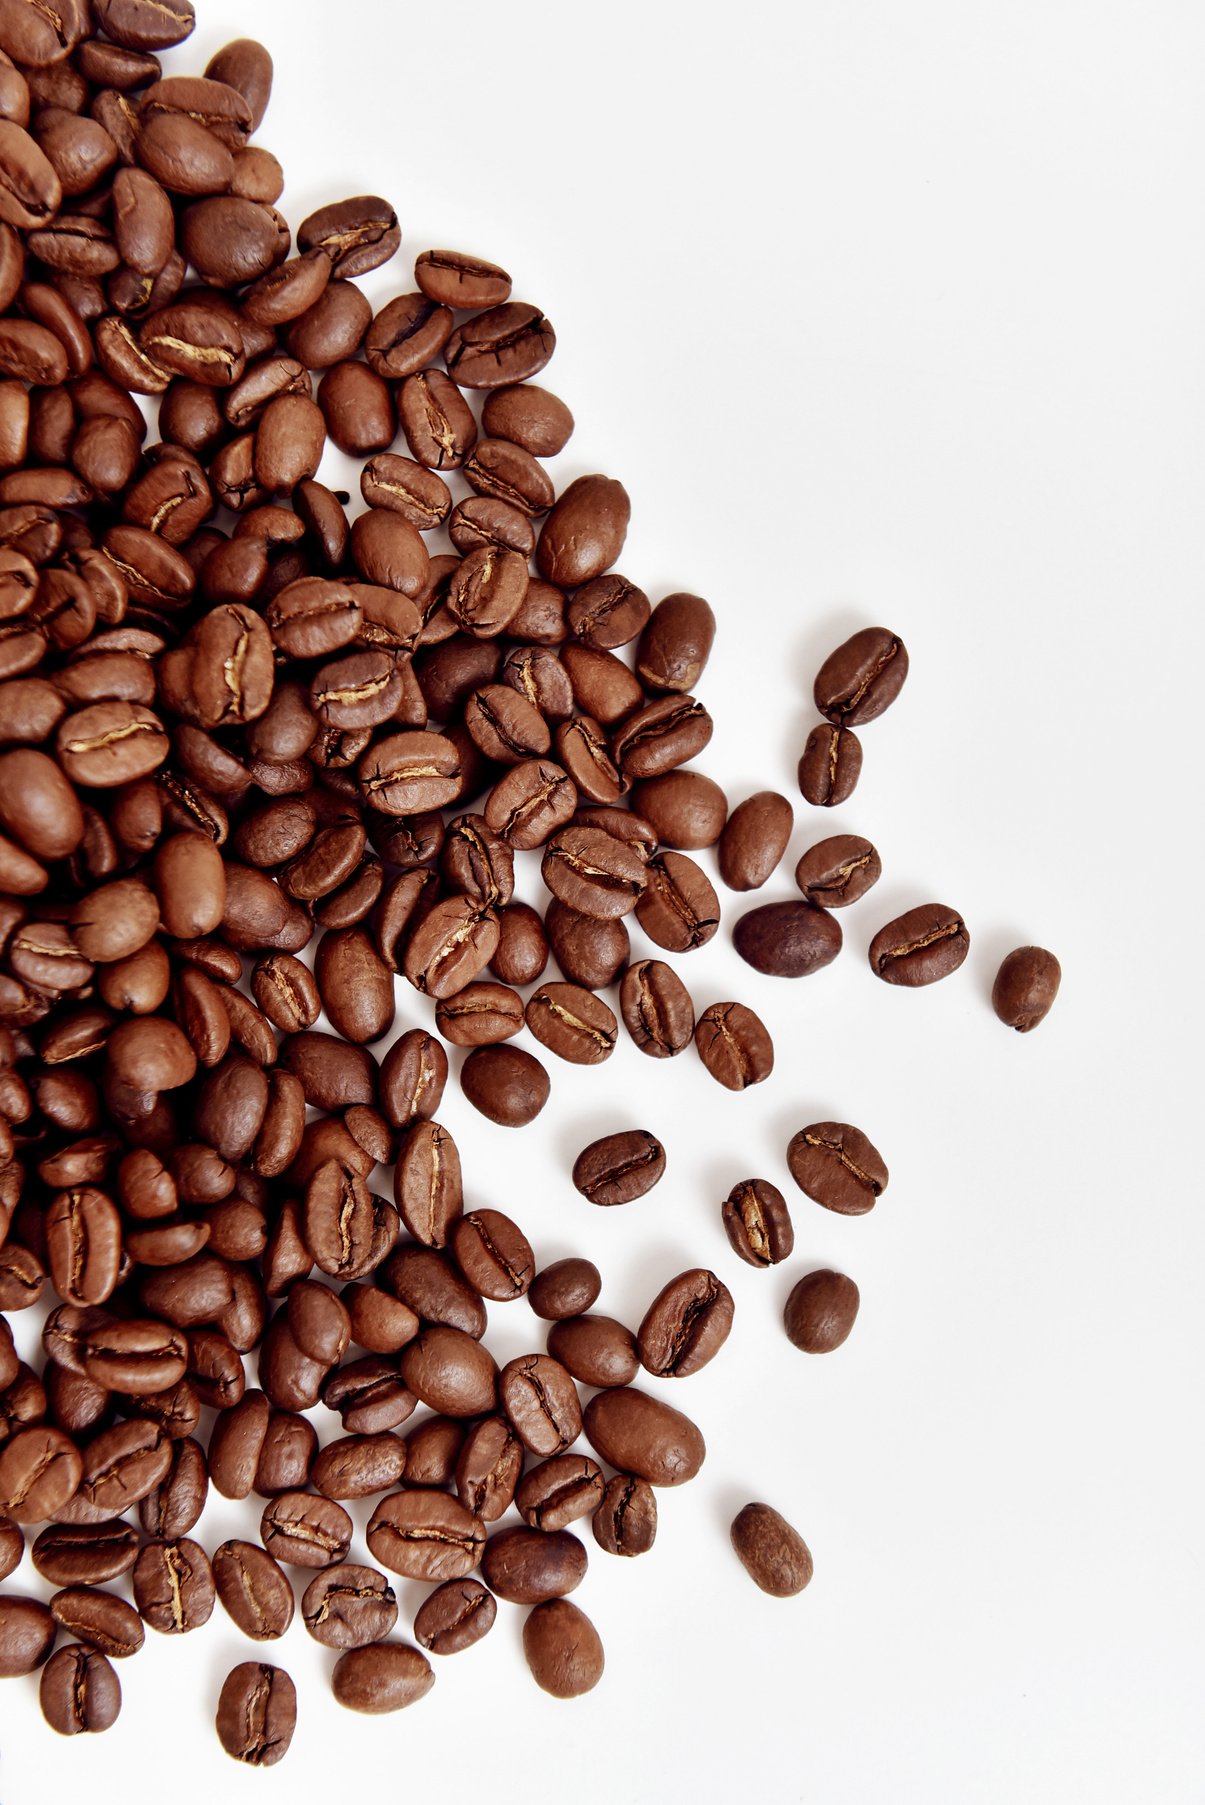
[(448, 1370), (656, 1008), (359, 1466), (27, 1632), (173, 1586), (529, 416), (40, 1469), (385, 1676), (787, 939), (480, 1015), (527, 1566), (619, 1167), (640, 1435), (427, 1183), (626, 1519), (608, 612), (820, 1311), (173, 1506), (413, 1075), (79, 1691), (563, 1649), (565, 1288), (455, 1616), (349, 1606), (676, 643), (679, 909), (593, 873), (429, 1285), (522, 951), (685, 808), (838, 871), (84, 1555), (734, 1045), (530, 803), (774, 1555), (506, 344), (451, 946), (754, 840), (559, 1491), (861, 678), (830, 766), (1025, 987), (257, 1713), (596, 1350), (410, 771), (100, 1619), (758, 1223), (488, 1468), (837, 1166), (920, 946), (426, 1535), (494, 1254), (572, 1022), (305, 1531), (686, 1324), (254, 1590), (12, 1546), (358, 235)]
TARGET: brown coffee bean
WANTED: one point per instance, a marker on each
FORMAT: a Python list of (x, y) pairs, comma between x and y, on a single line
[(572, 1022), (619, 1167), (585, 532), (830, 766), (838, 871), (79, 1691), (686, 1325), (754, 840), (684, 808), (430, 1286), (656, 1009), (787, 939), (100, 1619), (426, 1535), (559, 1491), (12, 1546), (529, 803), (358, 235), (593, 873), (173, 1586), (589, 951), (173, 1506), (451, 946), (861, 678), (427, 1183), (526, 1566), (625, 1521), (253, 1589), (494, 1254), (541, 1401), (565, 1288), (774, 1555), (349, 1606), (305, 1531), (449, 1371), (40, 1469), (27, 1632), (455, 1616), (676, 644), (920, 946), (488, 1468), (734, 1045), (436, 419), (820, 1311), (838, 1167), (385, 1676), (758, 1223), (563, 1649), (257, 1713), (529, 416), (505, 1083), (413, 1075), (596, 1350), (640, 1435), (359, 1466), (679, 909), (1025, 987), (355, 984), (506, 344), (84, 1555)]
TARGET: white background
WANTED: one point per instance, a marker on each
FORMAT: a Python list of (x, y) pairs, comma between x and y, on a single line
[(892, 314)]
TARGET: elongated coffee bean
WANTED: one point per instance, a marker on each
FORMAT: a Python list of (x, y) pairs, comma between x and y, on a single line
[(774, 1555), (861, 678), (838, 1167), (788, 939), (920, 947), (257, 1713), (838, 871), (1025, 987), (619, 1167), (758, 1223), (686, 1325)]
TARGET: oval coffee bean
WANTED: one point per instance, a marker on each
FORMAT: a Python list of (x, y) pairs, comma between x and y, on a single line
[(79, 1691), (787, 939), (526, 1566), (595, 1349), (861, 678), (100, 1619), (385, 1676), (585, 532), (838, 871), (40, 1469), (838, 1167), (27, 1632), (619, 1167), (734, 1045), (676, 643), (505, 344), (656, 1008), (626, 1520), (257, 1713), (758, 1223), (425, 1535), (638, 1434), (449, 1371), (563, 1649), (85, 1555), (455, 1616), (572, 1022), (679, 909), (349, 1606), (541, 1402), (305, 1531), (253, 1589), (559, 1491), (686, 1325), (12, 1546), (820, 1311), (774, 1555), (594, 873), (494, 1254), (830, 766), (754, 839), (507, 1084), (173, 1586), (920, 946), (1025, 987), (565, 1288)]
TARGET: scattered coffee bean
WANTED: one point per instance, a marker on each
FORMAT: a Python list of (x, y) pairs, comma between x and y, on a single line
[(839, 871), (1025, 987), (861, 678), (626, 1519), (257, 1713), (838, 1167), (787, 939), (349, 1606), (774, 1555), (619, 1167), (734, 1045), (454, 1616), (563, 1649), (758, 1223), (79, 1691), (640, 1435), (565, 1288), (686, 1325), (384, 1676), (820, 1311), (830, 766)]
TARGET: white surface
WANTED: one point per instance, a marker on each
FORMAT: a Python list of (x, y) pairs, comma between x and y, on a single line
[(881, 313)]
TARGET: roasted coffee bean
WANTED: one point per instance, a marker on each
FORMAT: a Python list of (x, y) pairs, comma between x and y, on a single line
[(590, 952), (79, 1691), (257, 1713), (173, 1506), (305, 1531), (920, 946), (100, 1619), (734, 1045), (686, 1325), (429, 1285), (385, 1676), (432, 1451), (427, 1183), (787, 939), (820, 1311), (173, 1586), (685, 809), (572, 1022), (506, 724), (349, 1606), (454, 1616), (27, 1632), (369, 1396), (830, 766), (584, 534), (84, 1554), (494, 1254), (451, 1372), (436, 419), (451, 946), (838, 871), (253, 1589), (597, 1350), (758, 1223), (619, 1167), (40, 1469), (457, 280), (754, 840), (529, 803), (640, 1435), (1025, 987), (861, 678), (676, 643), (625, 1521), (413, 1075), (359, 1466), (488, 1468), (357, 235), (565, 1288), (506, 344), (379, 1322), (12, 1546), (526, 1566), (529, 416), (355, 984), (559, 1491), (425, 1535), (347, 1229), (838, 1167), (507, 1084), (589, 871), (679, 909), (656, 1009), (774, 1555), (563, 1650), (476, 862), (541, 1401), (480, 1015)]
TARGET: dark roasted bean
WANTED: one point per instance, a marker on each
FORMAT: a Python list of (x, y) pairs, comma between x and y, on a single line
[(920, 946), (838, 1167)]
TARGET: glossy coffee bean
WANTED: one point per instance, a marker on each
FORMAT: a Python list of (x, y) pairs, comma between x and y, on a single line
[(920, 946), (787, 939), (173, 1586), (563, 1649), (102, 1620), (305, 1531), (27, 1632), (566, 1288), (79, 1691), (686, 1324), (349, 1606), (572, 1022), (494, 1254), (754, 840), (758, 1223), (638, 1434), (838, 871), (619, 1167), (734, 1045), (676, 643), (830, 766), (596, 1350), (425, 1535), (1025, 987), (820, 1311), (625, 1521), (540, 1401), (257, 1713), (559, 1491), (861, 678), (838, 1167), (774, 1555), (526, 1566), (385, 1676), (656, 1009), (253, 1589), (455, 1616)]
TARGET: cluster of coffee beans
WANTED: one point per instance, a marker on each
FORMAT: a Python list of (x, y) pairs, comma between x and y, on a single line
[(236, 724)]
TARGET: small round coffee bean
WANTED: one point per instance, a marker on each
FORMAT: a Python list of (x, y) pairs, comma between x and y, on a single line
[(528, 416), (676, 644), (838, 871), (686, 1324), (257, 1713), (788, 939), (566, 1288), (734, 1045), (758, 1223), (349, 1606), (79, 1691), (838, 1167), (830, 766), (619, 1167), (656, 1008), (559, 1491), (455, 1616), (774, 1555), (305, 1531), (563, 1649), (1025, 987), (40, 1469), (820, 1311), (27, 1632), (482, 1014), (384, 1676), (596, 1350), (572, 1022), (861, 678), (754, 839)]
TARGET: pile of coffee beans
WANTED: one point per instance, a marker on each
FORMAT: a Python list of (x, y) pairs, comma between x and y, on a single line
[(262, 753)]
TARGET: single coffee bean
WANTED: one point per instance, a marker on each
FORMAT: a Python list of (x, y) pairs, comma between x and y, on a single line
[(838, 871), (27, 1632), (541, 1402), (838, 1167), (596, 1350), (385, 1676), (254, 1590), (84, 1555), (454, 1616), (507, 1084), (12, 1546), (522, 952), (656, 1008), (304, 1531), (679, 909), (584, 534), (530, 803), (494, 1254), (410, 771), (758, 1223), (451, 946), (754, 839), (79, 1691), (432, 1451), (488, 1468), (734, 1045), (686, 1325), (920, 946), (559, 1491), (349, 1606), (100, 1619), (686, 809), (593, 873), (638, 1434), (1025, 987), (425, 1535), (563, 1649), (173, 1586), (427, 1183), (449, 1371), (787, 939), (861, 678), (774, 1555), (565, 1288), (506, 344), (526, 1566), (413, 1075), (528, 416), (257, 1713), (480, 1015), (619, 1167), (676, 643), (830, 766), (359, 1466), (626, 1519), (428, 1283), (40, 1469), (572, 1022), (820, 1311), (173, 1507)]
